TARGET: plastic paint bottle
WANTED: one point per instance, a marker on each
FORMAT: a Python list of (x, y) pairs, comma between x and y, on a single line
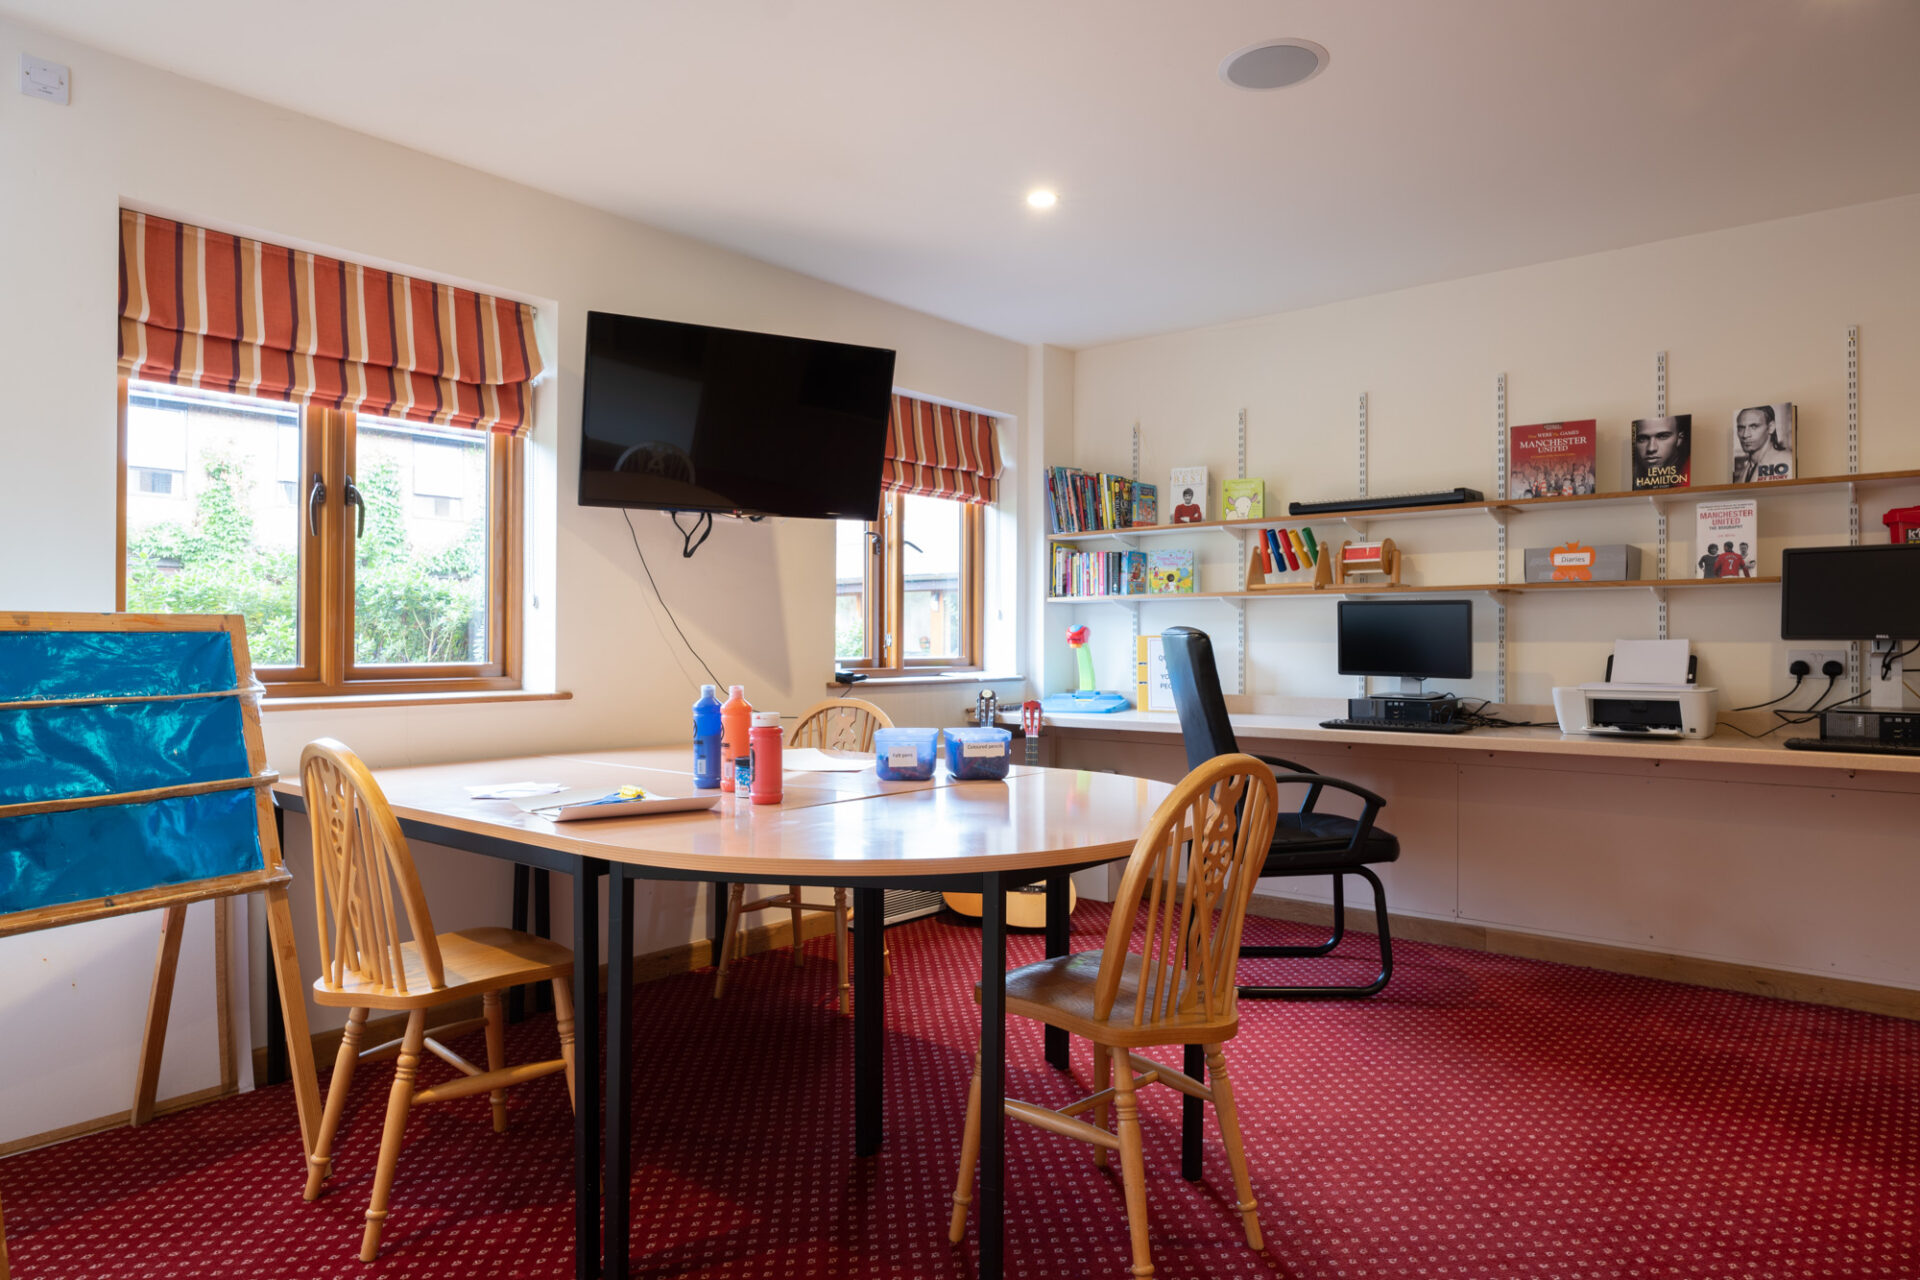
[(736, 719), (743, 777), (706, 739), (767, 751)]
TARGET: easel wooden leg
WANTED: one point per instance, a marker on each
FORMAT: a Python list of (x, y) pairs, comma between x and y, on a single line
[(153, 1042), (3, 1247), (293, 1009), (223, 991)]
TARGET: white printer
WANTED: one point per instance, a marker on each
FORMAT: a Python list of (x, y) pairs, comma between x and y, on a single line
[(1649, 692)]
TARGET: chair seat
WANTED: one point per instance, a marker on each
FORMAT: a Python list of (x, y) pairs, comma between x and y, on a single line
[(1311, 842), (473, 961), (1059, 992)]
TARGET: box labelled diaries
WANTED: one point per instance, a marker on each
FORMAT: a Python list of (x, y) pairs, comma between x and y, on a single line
[(1575, 562)]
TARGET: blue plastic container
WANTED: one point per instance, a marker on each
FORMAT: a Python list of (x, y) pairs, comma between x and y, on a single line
[(979, 755), (904, 755), (706, 739)]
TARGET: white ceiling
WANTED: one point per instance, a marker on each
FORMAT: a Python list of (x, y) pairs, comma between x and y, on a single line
[(887, 145)]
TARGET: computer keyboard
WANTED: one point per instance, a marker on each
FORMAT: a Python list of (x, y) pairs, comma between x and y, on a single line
[(1440, 499), (1866, 746), (1400, 726)]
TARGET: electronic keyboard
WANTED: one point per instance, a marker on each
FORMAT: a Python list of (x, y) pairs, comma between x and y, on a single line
[(1441, 499)]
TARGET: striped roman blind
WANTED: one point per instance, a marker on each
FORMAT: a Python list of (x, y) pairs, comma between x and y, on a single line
[(941, 452), (206, 309)]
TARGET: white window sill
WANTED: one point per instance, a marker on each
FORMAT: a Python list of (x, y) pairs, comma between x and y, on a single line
[(338, 702), (955, 677)]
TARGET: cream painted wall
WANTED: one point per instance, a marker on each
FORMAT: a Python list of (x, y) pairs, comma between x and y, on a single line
[(756, 601), (1750, 315)]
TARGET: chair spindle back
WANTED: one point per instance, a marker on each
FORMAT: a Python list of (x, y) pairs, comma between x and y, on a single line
[(1191, 873), (362, 872), (839, 724)]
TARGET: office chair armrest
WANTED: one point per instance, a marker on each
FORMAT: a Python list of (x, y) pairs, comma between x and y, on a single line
[(1314, 782), (1278, 763)]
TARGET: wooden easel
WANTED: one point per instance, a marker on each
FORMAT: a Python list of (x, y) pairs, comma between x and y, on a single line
[(139, 894)]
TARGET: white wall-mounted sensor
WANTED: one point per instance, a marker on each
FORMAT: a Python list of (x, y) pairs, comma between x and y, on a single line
[(42, 79)]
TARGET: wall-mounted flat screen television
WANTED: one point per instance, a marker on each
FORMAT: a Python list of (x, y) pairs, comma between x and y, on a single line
[(686, 417)]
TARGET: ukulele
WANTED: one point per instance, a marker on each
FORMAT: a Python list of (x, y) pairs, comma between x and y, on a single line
[(1027, 905)]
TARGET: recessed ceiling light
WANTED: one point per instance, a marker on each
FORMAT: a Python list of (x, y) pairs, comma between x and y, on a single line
[(1041, 198), (1273, 64)]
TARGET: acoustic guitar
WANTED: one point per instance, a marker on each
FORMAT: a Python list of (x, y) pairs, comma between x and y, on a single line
[(1027, 905)]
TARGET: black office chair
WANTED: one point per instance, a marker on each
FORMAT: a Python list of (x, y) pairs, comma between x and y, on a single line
[(1305, 843)]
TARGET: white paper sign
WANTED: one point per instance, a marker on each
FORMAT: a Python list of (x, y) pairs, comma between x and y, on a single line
[(1159, 686), (902, 757)]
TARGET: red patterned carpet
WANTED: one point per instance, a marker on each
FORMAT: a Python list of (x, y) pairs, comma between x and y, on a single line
[(1484, 1117)]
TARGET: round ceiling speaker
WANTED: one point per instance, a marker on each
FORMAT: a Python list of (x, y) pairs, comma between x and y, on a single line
[(1273, 64)]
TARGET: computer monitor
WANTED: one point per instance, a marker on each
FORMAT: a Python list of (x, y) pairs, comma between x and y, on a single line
[(1414, 639), (1850, 593)]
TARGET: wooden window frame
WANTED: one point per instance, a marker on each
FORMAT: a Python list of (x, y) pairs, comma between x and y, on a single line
[(326, 594), (888, 566)]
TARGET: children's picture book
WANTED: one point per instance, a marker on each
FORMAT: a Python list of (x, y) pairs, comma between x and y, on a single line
[(1243, 499), (1663, 452), (1727, 539), (1551, 459), (1146, 505), (1763, 443), (1187, 491), (1169, 572), (1136, 562)]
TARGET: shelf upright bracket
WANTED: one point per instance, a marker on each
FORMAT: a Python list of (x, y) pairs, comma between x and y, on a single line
[(1239, 644), (1660, 384), (1500, 465), (1240, 447), (1660, 562), (1136, 452), (1363, 444), (1854, 659), (1500, 649)]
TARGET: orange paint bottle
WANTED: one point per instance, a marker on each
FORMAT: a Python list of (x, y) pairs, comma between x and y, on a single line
[(736, 722)]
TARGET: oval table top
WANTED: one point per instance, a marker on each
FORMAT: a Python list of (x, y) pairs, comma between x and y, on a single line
[(844, 826)]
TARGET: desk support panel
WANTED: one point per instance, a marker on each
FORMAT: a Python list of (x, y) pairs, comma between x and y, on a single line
[(869, 1017)]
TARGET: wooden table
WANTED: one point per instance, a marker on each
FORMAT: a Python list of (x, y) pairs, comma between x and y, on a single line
[(831, 829)]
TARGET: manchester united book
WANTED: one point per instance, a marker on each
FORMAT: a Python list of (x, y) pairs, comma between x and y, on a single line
[(1551, 460), (1663, 452), (1727, 539)]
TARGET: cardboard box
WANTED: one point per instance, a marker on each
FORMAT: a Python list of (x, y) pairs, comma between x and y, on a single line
[(1577, 562)]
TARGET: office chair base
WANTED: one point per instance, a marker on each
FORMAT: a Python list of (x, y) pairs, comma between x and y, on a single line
[(1322, 948)]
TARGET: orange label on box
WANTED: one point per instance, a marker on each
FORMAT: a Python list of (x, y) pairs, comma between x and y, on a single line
[(1572, 563)]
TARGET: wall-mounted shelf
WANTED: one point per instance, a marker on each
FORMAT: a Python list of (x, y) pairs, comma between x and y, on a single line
[(1419, 589), (1869, 479)]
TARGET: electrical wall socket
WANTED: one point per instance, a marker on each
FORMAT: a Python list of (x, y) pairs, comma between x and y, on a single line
[(1815, 659)]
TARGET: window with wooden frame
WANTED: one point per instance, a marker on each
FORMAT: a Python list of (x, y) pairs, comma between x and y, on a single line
[(367, 554), (908, 588), (330, 450)]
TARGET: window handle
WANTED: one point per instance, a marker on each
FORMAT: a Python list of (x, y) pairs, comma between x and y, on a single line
[(316, 498), (353, 499)]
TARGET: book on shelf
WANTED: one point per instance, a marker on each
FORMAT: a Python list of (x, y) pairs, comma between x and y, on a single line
[(1551, 460), (1243, 499), (1087, 502), (1146, 505), (1170, 572), (1097, 573), (1727, 539), (1663, 452), (1763, 438), (1187, 491)]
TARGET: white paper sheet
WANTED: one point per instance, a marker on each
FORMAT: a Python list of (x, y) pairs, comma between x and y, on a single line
[(515, 790), (1649, 662), (814, 760)]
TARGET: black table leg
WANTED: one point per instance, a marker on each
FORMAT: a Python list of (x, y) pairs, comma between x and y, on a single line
[(542, 927), (716, 915), (869, 1017), (1193, 1118), (619, 1165), (586, 1060), (517, 921), (1058, 924), (993, 1074), (278, 1072)]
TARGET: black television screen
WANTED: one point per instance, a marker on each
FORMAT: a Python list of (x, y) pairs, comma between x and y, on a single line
[(692, 418), (1850, 593), (1418, 639)]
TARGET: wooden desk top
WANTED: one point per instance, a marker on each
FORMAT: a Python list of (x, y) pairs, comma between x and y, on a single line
[(854, 828), (1724, 747)]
